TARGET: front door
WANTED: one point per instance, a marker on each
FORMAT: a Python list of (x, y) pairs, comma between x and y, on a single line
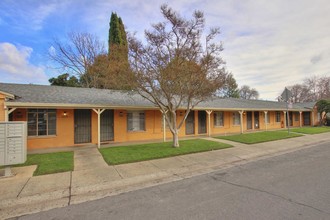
[(190, 123), (107, 125), (291, 118), (307, 118), (249, 120), (82, 126), (256, 120), (201, 122)]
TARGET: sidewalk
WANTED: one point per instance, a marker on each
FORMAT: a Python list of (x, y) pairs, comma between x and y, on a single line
[(93, 179)]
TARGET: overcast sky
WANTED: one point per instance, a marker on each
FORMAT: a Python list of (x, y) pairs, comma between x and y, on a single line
[(267, 44)]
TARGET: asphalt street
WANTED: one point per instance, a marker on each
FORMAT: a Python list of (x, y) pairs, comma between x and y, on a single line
[(291, 186)]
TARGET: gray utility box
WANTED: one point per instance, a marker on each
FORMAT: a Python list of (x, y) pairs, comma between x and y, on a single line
[(13, 138)]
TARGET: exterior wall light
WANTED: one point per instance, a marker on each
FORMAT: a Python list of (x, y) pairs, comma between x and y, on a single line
[(121, 114), (65, 114)]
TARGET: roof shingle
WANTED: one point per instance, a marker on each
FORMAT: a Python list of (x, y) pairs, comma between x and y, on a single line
[(43, 94)]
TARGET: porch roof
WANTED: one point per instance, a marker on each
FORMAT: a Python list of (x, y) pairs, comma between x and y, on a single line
[(29, 95), (261, 105), (60, 96)]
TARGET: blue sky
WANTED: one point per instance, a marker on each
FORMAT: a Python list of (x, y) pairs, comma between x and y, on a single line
[(268, 44)]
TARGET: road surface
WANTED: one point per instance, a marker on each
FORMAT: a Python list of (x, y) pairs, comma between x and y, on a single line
[(290, 186)]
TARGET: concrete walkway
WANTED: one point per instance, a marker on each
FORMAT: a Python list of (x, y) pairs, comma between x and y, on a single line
[(92, 178)]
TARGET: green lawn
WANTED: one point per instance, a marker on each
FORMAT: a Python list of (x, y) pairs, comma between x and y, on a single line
[(311, 130), (128, 154), (50, 162), (259, 137)]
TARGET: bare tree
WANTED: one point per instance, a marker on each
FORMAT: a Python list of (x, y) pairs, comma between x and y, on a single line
[(323, 86), (246, 92), (312, 89), (77, 54), (174, 70), (311, 85), (300, 93)]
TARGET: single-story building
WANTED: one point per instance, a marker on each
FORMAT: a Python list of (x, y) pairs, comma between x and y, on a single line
[(66, 116)]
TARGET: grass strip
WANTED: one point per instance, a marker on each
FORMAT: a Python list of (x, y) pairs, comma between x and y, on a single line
[(259, 137), (311, 130), (142, 152), (50, 162)]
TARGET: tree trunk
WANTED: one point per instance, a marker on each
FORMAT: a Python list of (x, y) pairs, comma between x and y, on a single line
[(175, 139)]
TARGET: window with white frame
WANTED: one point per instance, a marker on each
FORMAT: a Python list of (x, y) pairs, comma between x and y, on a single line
[(236, 118), (135, 121), (278, 116), (41, 122), (218, 118)]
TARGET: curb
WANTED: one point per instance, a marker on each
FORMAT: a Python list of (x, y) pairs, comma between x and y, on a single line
[(75, 195)]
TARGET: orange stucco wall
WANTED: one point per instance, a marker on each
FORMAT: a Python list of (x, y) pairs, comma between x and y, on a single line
[(64, 132), (153, 126)]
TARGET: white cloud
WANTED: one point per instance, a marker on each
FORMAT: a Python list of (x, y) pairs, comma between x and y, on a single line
[(15, 66), (52, 50), (273, 44), (268, 44)]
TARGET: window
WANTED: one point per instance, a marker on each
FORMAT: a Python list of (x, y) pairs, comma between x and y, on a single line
[(296, 116), (218, 118), (236, 118), (278, 116), (41, 122), (135, 121)]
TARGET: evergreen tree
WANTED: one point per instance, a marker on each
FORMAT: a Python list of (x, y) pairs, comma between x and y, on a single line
[(64, 80), (230, 88), (114, 31), (118, 69), (123, 38)]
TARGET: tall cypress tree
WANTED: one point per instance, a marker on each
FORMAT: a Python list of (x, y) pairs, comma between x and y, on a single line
[(114, 31), (123, 38), (119, 69)]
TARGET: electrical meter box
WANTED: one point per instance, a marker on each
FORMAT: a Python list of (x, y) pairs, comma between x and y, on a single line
[(13, 138)]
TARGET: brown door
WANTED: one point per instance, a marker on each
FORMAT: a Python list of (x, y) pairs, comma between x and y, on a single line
[(82, 126), (256, 120), (201, 122), (190, 123), (307, 118), (107, 125), (249, 120)]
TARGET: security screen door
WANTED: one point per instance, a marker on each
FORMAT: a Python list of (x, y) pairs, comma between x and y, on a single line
[(107, 125), (249, 120), (82, 126), (201, 122), (190, 123), (256, 120)]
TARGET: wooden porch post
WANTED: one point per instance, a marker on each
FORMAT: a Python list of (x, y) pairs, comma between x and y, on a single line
[(284, 119), (312, 112), (98, 112), (7, 112), (164, 125), (266, 119), (241, 120), (300, 119), (209, 122)]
